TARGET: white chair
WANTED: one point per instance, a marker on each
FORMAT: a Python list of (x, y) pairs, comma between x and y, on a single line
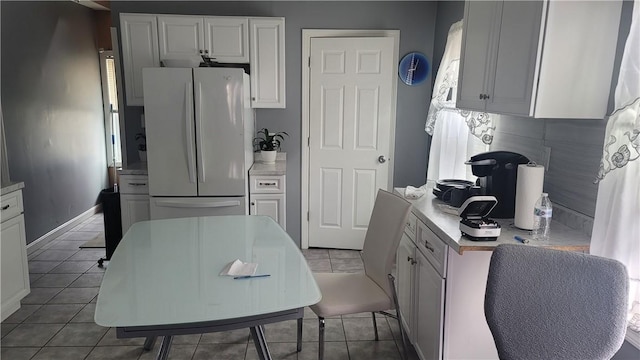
[(550, 304), (372, 291)]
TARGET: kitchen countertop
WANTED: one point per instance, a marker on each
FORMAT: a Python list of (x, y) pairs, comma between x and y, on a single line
[(138, 168), (430, 211), (11, 187), (277, 169)]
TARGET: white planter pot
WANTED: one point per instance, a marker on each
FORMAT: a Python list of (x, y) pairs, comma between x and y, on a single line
[(268, 157), (142, 155)]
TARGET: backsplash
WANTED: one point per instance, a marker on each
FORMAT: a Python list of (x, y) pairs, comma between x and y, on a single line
[(575, 149)]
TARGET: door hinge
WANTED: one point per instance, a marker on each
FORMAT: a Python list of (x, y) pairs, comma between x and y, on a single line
[(309, 61), (307, 216), (308, 141)]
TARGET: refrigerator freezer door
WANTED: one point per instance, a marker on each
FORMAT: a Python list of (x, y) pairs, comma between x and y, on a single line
[(171, 155), (218, 94), (178, 207)]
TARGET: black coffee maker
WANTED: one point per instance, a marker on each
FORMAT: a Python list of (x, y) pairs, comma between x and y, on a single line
[(497, 172)]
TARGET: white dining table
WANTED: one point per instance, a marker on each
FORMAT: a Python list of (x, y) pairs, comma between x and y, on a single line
[(164, 280)]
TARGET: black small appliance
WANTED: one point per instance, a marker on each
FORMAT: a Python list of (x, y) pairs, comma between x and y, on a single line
[(497, 172), (455, 191)]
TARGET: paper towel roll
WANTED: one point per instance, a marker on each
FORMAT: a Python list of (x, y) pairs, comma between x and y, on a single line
[(528, 190)]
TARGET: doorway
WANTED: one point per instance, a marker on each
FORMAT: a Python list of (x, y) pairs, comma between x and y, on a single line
[(349, 103)]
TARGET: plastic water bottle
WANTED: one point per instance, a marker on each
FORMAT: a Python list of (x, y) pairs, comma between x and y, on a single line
[(542, 218)]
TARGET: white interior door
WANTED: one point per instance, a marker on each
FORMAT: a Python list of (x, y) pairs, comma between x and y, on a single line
[(349, 146)]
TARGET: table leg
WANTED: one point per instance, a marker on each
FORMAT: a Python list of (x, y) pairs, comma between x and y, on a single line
[(163, 354), (257, 333), (149, 342), (299, 337)]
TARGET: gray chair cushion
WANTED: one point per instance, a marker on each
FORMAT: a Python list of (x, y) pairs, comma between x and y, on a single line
[(550, 304)]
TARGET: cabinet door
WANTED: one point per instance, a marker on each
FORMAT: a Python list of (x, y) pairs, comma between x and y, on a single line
[(227, 39), (405, 263), (14, 267), (267, 62), (516, 58), (180, 37), (139, 50), (272, 205), (133, 208), (481, 26), (429, 310)]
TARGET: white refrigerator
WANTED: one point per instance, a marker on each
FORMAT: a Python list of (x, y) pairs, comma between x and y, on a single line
[(199, 129)]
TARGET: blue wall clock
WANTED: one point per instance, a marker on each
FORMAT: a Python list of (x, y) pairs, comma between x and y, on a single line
[(413, 68)]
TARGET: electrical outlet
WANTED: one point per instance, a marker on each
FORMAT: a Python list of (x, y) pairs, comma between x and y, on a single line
[(546, 157)]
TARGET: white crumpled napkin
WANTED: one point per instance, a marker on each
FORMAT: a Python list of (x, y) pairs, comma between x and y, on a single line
[(239, 268), (413, 193)]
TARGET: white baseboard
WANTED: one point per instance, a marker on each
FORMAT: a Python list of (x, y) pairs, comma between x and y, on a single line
[(633, 338), (51, 235)]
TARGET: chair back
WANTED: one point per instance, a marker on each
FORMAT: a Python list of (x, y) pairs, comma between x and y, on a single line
[(386, 225), (551, 304)]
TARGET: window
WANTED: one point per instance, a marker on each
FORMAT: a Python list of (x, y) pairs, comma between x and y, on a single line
[(111, 108)]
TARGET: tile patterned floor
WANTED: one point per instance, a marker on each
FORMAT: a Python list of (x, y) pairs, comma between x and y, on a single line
[(56, 318)]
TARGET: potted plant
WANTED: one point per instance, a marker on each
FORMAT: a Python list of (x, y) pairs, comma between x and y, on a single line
[(268, 143), (142, 146)]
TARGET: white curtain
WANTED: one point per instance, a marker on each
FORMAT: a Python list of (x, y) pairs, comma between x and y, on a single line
[(456, 134), (616, 229)]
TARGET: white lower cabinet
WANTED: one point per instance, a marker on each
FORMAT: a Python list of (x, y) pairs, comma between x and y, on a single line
[(267, 197), (270, 205), (14, 268), (405, 265), (420, 297), (134, 208), (134, 200), (429, 309), (441, 296)]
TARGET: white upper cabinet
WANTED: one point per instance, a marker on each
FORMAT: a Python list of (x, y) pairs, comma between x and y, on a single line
[(521, 58), (267, 62), (139, 34), (226, 38), (223, 38), (147, 39), (180, 37)]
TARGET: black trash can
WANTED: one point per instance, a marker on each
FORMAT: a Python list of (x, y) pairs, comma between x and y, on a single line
[(112, 221)]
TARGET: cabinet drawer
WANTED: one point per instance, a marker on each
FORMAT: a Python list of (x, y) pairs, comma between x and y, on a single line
[(11, 204), (410, 226), (267, 184), (134, 184), (434, 249)]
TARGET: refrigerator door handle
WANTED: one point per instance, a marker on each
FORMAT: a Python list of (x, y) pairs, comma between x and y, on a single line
[(186, 204), (188, 123), (201, 162)]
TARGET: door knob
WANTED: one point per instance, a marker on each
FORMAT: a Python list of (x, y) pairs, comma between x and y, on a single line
[(381, 159)]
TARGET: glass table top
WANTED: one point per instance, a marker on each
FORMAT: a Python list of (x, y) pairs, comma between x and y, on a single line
[(168, 272)]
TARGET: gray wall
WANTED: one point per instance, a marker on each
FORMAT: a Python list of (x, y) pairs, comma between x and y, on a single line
[(52, 110), (416, 22)]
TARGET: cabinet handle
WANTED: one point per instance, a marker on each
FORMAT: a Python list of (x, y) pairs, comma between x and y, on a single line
[(429, 247), (200, 51), (137, 184), (271, 183), (5, 207), (253, 203), (411, 260), (487, 96), (253, 98), (481, 96)]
